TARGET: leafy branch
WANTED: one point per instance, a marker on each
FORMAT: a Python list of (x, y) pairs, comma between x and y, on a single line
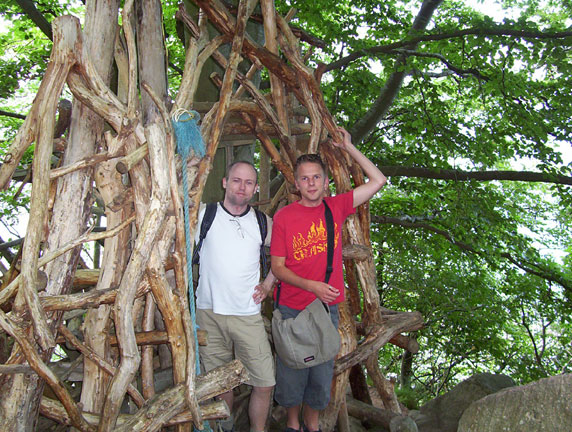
[(531, 268), (413, 41), (13, 115), (379, 108), (458, 175), (36, 16)]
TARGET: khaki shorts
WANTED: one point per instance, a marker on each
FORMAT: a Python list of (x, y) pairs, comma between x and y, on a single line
[(241, 337)]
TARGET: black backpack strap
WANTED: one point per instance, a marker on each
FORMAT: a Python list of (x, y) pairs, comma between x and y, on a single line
[(277, 298), (263, 226), (208, 218), (330, 234)]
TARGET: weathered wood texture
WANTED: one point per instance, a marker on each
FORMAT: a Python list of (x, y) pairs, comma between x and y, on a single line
[(137, 299)]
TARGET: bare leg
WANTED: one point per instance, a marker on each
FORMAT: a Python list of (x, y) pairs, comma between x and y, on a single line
[(228, 397), (311, 417), (293, 420), (258, 407)]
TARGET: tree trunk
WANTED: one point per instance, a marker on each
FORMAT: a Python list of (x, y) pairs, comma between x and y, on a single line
[(71, 211)]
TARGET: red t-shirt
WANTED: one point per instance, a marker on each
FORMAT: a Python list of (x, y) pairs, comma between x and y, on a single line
[(299, 234)]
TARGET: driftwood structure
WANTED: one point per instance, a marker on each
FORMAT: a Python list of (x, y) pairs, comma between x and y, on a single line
[(127, 134)]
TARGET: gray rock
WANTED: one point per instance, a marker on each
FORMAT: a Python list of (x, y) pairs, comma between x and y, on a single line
[(545, 405), (442, 414), (402, 424), (356, 426)]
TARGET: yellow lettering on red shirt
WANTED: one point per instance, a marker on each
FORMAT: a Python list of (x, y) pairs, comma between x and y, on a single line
[(313, 243)]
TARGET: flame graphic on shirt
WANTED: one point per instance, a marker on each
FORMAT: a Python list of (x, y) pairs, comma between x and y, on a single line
[(315, 242)]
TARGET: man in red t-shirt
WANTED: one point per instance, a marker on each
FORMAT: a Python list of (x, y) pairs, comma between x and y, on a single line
[(299, 255)]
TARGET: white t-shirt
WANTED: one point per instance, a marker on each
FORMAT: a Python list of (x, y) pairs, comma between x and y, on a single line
[(230, 263)]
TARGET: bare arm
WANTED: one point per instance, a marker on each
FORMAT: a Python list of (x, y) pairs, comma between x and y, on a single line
[(376, 178), (322, 290), (263, 289)]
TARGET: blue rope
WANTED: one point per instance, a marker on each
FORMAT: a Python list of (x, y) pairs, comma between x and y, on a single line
[(188, 135)]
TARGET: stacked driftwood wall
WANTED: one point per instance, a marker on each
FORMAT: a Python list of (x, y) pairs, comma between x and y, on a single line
[(120, 152)]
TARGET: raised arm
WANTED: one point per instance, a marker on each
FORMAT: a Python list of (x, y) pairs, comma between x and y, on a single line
[(322, 290), (376, 178)]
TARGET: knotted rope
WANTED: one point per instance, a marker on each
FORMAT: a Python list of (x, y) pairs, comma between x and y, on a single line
[(188, 136)]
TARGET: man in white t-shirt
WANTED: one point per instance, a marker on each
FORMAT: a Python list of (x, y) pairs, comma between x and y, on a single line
[(229, 292)]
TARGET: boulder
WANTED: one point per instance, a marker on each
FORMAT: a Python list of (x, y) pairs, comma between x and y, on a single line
[(544, 405), (402, 424), (442, 414)]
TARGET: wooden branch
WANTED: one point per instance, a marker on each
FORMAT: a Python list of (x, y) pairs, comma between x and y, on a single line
[(35, 361), (214, 410), (158, 337), (458, 175), (225, 22), (315, 118), (235, 128), (132, 100), (383, 386), (275, 157), (147, 375), (102, 363), (255, 67), (16, 369), (369, 414), (154, 218), (174, 309), (329, 416), (37, 17), (412, 41), (402, 341), (198, 52), (86, 163), (352, 291), (394, 325), (67, 33), (230, 73), (196, 55), (69, 302), (356, 252), (343, 420), (12, 115), (290, 47), (300, 33), (281, 130), (182, 283), (12, 288), (405, 342), (393, 84), (166, 405), (127, 162), (278, 91), (53, 410)]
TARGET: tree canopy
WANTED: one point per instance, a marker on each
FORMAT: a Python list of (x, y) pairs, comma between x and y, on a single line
[(467, 111)]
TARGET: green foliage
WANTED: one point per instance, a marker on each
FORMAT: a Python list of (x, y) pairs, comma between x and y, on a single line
[(408, 397)]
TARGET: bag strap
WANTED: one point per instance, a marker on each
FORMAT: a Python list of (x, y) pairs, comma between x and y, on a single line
[(331, 238), (263, 227), (208, 218), (330, 258)]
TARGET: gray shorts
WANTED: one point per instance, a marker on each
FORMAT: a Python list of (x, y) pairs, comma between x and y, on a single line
[(310, 386), (241, 337)]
